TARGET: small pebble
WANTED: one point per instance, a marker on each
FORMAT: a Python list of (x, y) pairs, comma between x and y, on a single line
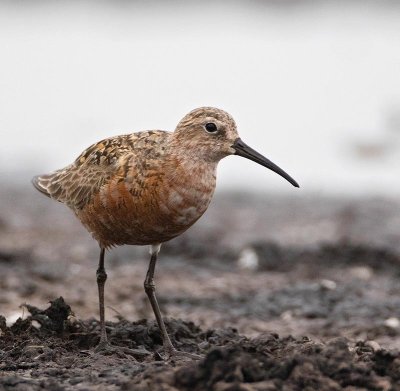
[(393, 323), (328, 284), (36, 324), (364, 273), (248, 259)]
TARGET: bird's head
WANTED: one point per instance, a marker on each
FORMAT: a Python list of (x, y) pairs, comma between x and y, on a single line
[(210, 134)]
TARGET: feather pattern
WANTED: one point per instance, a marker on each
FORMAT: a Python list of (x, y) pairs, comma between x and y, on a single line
[(145, 187)]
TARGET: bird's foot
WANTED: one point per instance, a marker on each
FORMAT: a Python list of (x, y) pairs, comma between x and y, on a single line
[(105, 348), (170, 353)]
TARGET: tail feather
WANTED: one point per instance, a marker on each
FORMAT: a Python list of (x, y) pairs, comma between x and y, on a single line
[(41, 182)]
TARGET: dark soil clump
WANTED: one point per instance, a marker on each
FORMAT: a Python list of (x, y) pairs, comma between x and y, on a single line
[(272, 363), (51, 349)]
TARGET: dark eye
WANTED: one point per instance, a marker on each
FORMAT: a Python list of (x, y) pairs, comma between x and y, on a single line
[(211, 127)]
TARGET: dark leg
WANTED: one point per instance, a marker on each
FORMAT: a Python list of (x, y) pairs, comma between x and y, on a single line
[(150, 289), (101, 280), (104, 346)]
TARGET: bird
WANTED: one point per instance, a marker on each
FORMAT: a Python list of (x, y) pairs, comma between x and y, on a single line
[(148, 187)]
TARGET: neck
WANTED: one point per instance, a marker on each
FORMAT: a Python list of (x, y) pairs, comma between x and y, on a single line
[(190, 166)]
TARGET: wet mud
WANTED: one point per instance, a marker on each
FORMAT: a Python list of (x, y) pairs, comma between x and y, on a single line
[(281, 294), (50, 349)]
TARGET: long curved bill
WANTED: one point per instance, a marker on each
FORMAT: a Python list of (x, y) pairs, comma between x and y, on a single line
[(242, 149)]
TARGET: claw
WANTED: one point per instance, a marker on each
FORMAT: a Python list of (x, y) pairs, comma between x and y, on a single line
[(173, 354), (121, 351)]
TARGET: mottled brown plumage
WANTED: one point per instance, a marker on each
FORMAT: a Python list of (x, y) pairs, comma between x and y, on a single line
[(146, 188)]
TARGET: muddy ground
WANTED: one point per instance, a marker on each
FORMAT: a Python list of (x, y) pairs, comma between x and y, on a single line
[(276, 293)]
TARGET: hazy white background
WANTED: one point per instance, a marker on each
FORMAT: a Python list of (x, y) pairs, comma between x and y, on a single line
[(315, 86)]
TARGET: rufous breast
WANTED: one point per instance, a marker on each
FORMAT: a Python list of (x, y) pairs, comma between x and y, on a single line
[(153, 206)]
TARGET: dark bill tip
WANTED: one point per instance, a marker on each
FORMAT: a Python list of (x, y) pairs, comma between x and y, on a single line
[(244, 150)]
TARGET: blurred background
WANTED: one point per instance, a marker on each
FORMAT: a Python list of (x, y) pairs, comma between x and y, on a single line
[(314, 85)]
